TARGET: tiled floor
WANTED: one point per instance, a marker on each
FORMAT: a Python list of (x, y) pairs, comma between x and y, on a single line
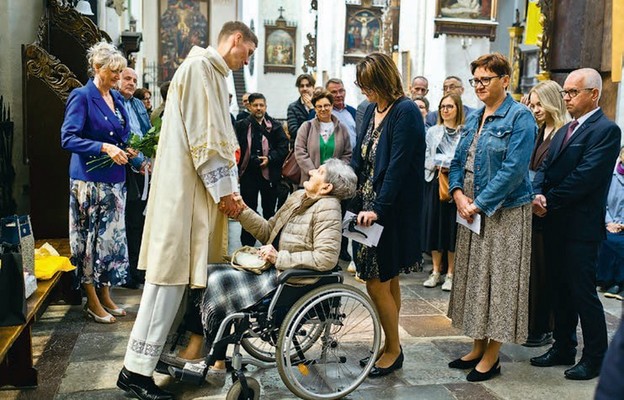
[(78, 359)]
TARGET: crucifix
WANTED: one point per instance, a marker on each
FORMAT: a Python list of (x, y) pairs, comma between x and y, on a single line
[(281, 9)]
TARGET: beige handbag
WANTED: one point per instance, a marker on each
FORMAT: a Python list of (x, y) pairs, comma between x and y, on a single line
[(247, 259)]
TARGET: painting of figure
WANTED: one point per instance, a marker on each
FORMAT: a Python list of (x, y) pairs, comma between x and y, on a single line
[(363, 31), (183, 24), (279, 48)]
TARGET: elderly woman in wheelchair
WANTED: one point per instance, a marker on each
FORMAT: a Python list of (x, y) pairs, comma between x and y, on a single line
[(298, 314)]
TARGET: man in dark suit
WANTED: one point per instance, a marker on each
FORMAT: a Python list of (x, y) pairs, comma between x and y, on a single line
[(264, 145), (571, 189)]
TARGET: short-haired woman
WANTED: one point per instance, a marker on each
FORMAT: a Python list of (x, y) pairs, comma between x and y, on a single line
[(96, 123), (389, 164), (489, 177), (321, 138)]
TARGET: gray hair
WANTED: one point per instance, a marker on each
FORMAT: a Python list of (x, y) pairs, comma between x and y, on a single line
[(105, 55), (342, 178), (591, 79)]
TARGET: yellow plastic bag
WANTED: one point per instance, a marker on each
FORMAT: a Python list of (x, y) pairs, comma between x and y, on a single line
[(46, 267)]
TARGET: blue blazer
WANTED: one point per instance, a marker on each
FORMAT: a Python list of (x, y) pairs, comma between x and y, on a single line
[(575, 178), (398, 183), (89, 123)]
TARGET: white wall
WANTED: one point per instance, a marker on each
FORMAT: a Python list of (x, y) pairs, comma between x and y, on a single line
[(18, 25)]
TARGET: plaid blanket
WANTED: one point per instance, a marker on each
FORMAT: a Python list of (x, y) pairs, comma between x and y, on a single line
[(229, 290)]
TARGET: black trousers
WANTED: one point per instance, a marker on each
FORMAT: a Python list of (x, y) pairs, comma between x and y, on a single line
[(251, 183), (134, 232), (574, 265)]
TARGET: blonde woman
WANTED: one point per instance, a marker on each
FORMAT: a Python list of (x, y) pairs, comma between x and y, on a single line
[(549, 110)]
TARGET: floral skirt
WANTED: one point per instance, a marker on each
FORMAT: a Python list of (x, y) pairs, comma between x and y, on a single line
[(97, 232)]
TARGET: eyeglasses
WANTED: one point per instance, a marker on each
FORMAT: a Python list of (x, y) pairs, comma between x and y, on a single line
[(323, 106), (446, 107), (574, 92), (485, 81)]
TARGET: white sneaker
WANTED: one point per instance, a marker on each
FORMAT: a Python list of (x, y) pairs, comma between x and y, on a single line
[(448, 283), (434, 280), (216, 377)]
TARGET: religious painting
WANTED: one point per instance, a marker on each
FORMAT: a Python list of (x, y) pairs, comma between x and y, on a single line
[(183, 24), (363, 31), (280, 45), (466, 18)]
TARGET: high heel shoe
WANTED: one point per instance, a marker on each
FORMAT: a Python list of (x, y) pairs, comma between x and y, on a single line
[(108, 319), (476, 376), (464, 364), (378, 372), (117, 312)]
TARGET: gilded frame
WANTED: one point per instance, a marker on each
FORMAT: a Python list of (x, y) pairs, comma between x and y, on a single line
[(280, 46), (363, 32)]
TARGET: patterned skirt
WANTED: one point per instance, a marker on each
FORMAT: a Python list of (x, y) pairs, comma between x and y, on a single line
[(490, 296), (97, 232)]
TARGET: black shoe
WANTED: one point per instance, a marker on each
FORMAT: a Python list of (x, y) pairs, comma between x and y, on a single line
[(538, 340), (583, 371), (142, 387), (378, 372), (476, 376), (462, 364), (364, 361), (554, 357)]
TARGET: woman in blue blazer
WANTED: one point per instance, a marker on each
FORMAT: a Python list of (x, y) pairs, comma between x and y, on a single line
[(95, 126), (389, 161)]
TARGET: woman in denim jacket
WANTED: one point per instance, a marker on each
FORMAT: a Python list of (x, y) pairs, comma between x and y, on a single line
[(489, 176)]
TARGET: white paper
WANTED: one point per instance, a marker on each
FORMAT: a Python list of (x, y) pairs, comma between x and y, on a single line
[(475, 226), (368, 236)]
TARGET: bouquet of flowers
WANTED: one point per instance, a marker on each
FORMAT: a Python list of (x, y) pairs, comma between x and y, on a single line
[(146, 144)]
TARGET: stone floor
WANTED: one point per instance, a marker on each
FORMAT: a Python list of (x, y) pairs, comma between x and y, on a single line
[(78, 359)]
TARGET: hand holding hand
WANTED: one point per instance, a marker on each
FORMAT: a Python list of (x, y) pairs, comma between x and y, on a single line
[(118, 156), (539, 205), (229, 205), (614, 227), (465, 208), (366, 218), (268, 253)]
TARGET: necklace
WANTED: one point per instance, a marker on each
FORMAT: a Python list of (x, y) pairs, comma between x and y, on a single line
[(384, 109)]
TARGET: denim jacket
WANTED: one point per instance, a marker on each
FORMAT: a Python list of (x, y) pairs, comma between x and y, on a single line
[(501, 166)]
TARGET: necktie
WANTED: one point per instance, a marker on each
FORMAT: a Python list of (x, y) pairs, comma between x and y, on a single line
[(568, 135)]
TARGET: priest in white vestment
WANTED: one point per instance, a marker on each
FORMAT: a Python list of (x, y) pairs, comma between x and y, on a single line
[(195, 175)]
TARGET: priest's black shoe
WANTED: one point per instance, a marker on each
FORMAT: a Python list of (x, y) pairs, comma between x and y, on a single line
[(476, 376), (584, 370), (554, 357), (462, 364), (378, 372), (141, 387)]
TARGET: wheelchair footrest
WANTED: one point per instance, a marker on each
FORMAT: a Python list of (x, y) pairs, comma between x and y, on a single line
[(195, 376)]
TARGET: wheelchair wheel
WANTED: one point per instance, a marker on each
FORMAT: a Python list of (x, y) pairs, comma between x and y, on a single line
[(236, 391), (265, 350), (349, 331)]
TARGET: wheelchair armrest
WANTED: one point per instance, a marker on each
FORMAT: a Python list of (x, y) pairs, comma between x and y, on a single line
[(284, 276)]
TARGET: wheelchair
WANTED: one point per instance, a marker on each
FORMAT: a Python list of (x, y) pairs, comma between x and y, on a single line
[(316, 335)]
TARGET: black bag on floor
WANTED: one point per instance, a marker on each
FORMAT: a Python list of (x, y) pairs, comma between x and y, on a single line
[(12, 299)]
